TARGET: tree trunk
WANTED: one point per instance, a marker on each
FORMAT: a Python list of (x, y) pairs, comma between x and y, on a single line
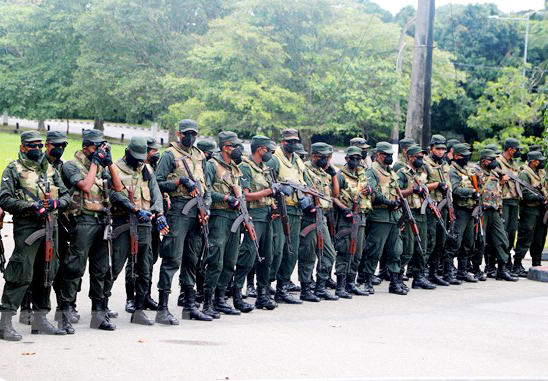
[(5, 118), (98, 123), (306, 137), (41, 125), (172, 137), (68, 127)]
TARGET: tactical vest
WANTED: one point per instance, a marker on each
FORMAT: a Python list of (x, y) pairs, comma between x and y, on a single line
[(490, 187), (86, 203), (321, 181), (509, 190), (31, 179), (260, 175), (465, 182), (386, 182), (538, 180), (132, 180), (414, 200), (290, 171), (437, 173), (356, 183), (226, 175), (194, 158)]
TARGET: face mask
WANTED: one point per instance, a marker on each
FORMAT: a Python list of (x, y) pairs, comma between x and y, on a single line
[(34, 154), (437, 159), (290, 147), (236, 155), (517, 154), (154, 159), (463, 161), (541, 165), (492, 165), (188, 140), (417, 163), (388, 160), (133, 162), (208, 155), (364, 154), (352, 163), (322, 162), (57, 152), (266, 156)]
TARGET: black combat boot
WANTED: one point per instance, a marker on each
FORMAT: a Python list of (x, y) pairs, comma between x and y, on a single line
[(99, 316), (478, 274), (321, 291), (504, 274), (292, 287), (65, 323), (375, 280), (111, 314), (395, 286), (419, 281), (239, 303), (263, 299), (25, 315), (150, 304), (250, 291), (190, 310), (130, 297), (307, 295), (353, 288), (341, 288), (138, 316), (401, 278), (74, 312), (282, 296), (384, 274), (163, 316), (434, 277), (221, 305), (330, 283), (6, 329), (41, 326), (368, 284), (199, 288), (448, 274), (181, 298), (518, 269), (360, 279), (462, 273), (208, 308)]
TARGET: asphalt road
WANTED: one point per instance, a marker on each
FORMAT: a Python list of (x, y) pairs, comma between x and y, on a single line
[(490, 329)]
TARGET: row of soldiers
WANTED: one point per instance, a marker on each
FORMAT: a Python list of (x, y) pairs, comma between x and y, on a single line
[(226, 217)]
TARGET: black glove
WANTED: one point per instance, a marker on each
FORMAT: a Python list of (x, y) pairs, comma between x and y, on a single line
[(161, 223), (443, 187), (52, 205), (102, 157), (418, 190), (188, 183), (330, 170), (232, 201), (143, 216), (39, 209), (347, 212), (305, 203), (394, 205)]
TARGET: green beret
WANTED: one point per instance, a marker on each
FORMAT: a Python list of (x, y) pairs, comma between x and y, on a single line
[(138, 147), (406, 143), (438, 141), (512, 143), (93, 136), (151, 144), (462, 149), (207, 146), (353, 150), (30, 136), (263, 141), (228, 137), (494, 147), (186, 125), (488, 154), (384, 147), (535, 155), (414, 149), (290, 134), (359, 142), (300, 150), (451, 142), (56, 137), (321, 148)]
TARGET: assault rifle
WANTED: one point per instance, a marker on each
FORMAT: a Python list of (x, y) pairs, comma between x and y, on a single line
[(407, 218), (319, 234), (305, 189), (282, 208), (356, 221), (245, 218), (107, 234), (2, 251), (198, 200), (520, 182), (50, 242), (477, 213), (431, 204), (133, 237)]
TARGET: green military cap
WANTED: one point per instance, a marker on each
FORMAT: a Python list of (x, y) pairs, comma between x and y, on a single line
[(535, 155), (359, 142), (56, 137), (300, 150), (384, 147), (138, 147), (535, 147), (263, 141), (494, 147), (353, 150), (30, 136), (488, 154), (228, 137), (290, 134), (512, 143), (406, 142), (462, 149), (321, 148), (451, 142), (93, 136), (438, 141), (414, 149), (151, 144), (207, 146), (186, 125)]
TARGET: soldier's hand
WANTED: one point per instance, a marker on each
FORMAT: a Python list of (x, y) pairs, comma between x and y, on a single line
[(39, 209), (188, 183), (161, 224), (52, 205), (394, 205), (367, 190), (443, 187), (330, 170), (305, 203), (232, 201), (143, 216), (347, 212), (418, 190)]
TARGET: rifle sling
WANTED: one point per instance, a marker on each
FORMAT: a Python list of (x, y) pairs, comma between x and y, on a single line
[(119, 230)]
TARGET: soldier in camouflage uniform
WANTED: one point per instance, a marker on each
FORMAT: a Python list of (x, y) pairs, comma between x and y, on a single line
[(208, 147), (404, 143), (23, 194), (361, 143), (532, 229)]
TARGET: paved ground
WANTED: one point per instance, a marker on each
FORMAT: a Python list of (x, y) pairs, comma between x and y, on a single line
[(486, 329)]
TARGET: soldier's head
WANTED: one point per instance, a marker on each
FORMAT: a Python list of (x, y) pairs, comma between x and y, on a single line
[(31, 145), (361, 143), (231, 147), (320, 153), (415, 156), (262, 147), (188, 131), (152, 151), (290, 139), (136, 152), (301, 151), (91, 141), (461, 154), (450, 144), (494, 147), (536, 160), (488, 159), (208, 147), (512, 148), (405, 143), (353, 157), (56, 142), (437, 147), (384, 153)]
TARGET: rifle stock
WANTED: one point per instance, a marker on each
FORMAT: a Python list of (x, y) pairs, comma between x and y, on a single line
[(247, 222)]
